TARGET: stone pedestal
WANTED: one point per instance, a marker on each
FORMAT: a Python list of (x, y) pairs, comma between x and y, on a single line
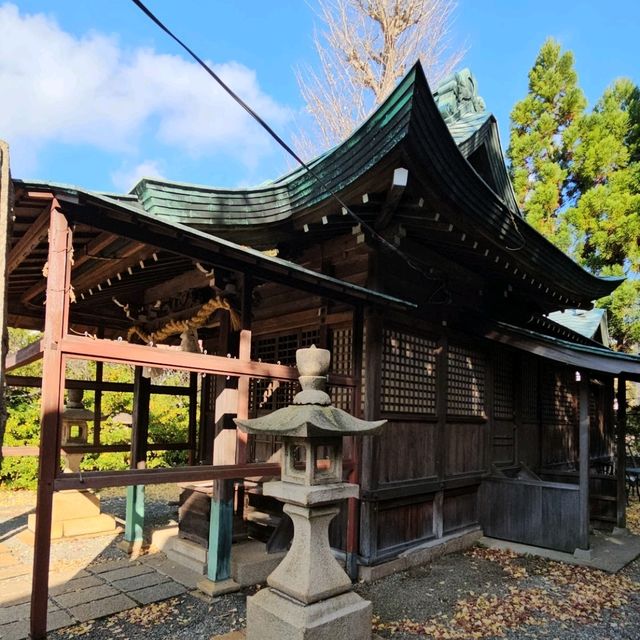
[(309, 595), (274, 616), (76, 513)]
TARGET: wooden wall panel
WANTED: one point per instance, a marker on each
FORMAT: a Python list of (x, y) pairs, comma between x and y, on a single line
[(465, 445), (401, 524), (503, 445), (405, 451), (460, 509)]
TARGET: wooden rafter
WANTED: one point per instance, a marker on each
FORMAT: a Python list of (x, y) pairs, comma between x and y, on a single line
[(34, 235), (398, 185), (189, 280), (87, 253)]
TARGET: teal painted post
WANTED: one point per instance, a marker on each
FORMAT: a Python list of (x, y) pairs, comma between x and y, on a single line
[(134, 525), (220, 531)]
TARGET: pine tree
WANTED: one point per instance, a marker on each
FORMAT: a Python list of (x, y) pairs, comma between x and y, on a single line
[(538, 150)]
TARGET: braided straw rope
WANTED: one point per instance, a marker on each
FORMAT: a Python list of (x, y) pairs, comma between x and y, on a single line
[(174, 327)]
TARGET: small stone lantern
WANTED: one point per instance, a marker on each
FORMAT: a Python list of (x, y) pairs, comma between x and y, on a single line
[(75, 429), (309, 594)]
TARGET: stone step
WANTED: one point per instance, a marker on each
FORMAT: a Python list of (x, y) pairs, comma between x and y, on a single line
[(251, 564), (186, 561), (190, 549)]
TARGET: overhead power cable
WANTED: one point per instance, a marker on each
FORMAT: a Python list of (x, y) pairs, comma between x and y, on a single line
[(369, 229)]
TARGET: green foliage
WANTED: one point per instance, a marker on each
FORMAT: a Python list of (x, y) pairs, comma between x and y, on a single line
[(168, 421), (538, 151), (577, 177)]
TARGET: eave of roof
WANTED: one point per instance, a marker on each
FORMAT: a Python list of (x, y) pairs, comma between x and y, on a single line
[(125, 218), (582, 356)]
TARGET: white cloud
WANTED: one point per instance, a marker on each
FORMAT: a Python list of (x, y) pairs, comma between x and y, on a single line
[(127, 177), (91, 90)]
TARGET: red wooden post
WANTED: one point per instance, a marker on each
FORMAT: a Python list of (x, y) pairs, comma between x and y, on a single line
[(244, 355), (53, 375)]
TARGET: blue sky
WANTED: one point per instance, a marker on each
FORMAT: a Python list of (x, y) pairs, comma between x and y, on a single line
[(93, 94)]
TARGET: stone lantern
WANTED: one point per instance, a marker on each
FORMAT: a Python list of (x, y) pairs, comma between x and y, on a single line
[(75, 429), (75, 512), (309, 595)]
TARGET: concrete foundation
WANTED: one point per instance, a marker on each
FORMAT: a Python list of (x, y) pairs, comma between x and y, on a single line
[(274, 616), (76, 513)]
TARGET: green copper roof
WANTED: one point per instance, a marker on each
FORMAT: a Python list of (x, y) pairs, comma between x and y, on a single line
[(586, 323)]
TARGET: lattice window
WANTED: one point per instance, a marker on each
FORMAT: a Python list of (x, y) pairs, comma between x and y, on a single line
[(529, 389), (558, 397), (465, 384), (503, 388), (342, 397), (408, 373), (341, 351), (269, 395)]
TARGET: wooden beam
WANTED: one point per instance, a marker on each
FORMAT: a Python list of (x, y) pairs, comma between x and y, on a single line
[(189, 280), (398, 185), (98, 385), (34, 235), (102, 479), (24, 356), (123, 352)]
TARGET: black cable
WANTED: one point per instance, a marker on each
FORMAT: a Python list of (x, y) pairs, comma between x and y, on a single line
[(372, 232)]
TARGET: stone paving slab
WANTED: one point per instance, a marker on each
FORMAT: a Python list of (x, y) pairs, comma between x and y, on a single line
[(15, 591), (69, 600), (158, 592), (18, 569), (103, 567), (8, 560), (101, 608), (180, 574), (125, 572), (140, 582), (76, 584), (19, 629)]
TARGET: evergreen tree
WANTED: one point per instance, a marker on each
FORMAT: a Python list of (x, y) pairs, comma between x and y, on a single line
[(605, 221), (538, 151), (577, 177)]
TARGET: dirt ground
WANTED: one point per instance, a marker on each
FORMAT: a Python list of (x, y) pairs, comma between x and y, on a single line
[(480, 593)]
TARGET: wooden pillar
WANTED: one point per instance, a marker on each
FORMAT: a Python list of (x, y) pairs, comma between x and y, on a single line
[(53, 376), (220, 531), (621, 460), (6, 201), (442, 375), (224, 452), (97, 418), (193, 418), (244, 354), (372, 384), (134, 525), (583, 404), (353, 506)]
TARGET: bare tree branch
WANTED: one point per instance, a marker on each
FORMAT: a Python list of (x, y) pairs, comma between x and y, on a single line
[(366, 46)]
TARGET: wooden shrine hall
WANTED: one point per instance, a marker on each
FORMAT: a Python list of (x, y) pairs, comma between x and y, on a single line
[(433, 300)]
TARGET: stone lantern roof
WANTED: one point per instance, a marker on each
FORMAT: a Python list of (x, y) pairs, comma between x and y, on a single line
[(311, 415)]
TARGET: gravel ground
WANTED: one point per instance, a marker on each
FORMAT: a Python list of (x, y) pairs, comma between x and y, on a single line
[(488, 589)]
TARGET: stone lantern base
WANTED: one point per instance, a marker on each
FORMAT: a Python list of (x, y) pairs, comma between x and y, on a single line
[(76, 513), (273, 616)]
